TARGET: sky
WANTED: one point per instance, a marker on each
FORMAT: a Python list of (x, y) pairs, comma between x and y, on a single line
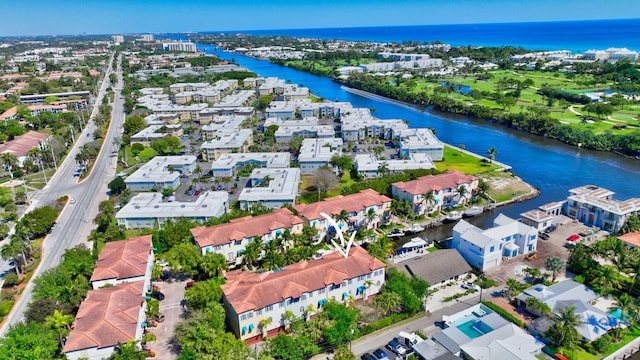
[(68, 17)]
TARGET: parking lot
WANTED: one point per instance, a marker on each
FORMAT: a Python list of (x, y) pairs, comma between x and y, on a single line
[(554, 246), (174, 312)]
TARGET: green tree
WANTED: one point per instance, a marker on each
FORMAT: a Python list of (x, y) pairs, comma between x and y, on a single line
[(344, 163), (30, 341), (285, 347), (133, 124), (39, 221), (251, 254), (213, 264), (563, 332), (117, 185), (387, 302), (555, 265), (343, 352), (184, 257), (128, 351), (492, 153), (61, 324), (203, 294)]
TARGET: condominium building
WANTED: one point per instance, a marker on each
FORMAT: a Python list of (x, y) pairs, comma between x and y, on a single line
[(315, 153), (161, 172), (368, 209), (179, 46), (221, 123), (421, 141), (436, 192), (148, 210), (234, 141), (250, 297), (271, 188), (155, 132), (230, 239), (124, 261), (229, 164), (371, 167)]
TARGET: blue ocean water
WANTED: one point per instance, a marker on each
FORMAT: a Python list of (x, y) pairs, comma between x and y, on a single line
[(576, 36)]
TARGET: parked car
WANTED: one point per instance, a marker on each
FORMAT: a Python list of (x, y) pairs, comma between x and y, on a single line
[(157, 295), (159, 317), (532, 256), (543, 236), (189, 285), (367, 356), (395, 346), (380, 354), (574, 237), (551, 228)]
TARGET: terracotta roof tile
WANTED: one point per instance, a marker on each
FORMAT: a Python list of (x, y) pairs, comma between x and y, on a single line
[(21, 145), (107, 316), (334, 205), (449, 180), (123, 259), (632, 238), (252, 291), (249, 226)]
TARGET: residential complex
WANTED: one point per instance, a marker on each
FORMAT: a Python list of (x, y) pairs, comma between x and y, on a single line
[(436, 192), (124, 261), (315, 153), (251, 297), (484, 249), (148, 210), (179, 46), (370, 166), (230, 239), (367, 208), (271, 188), (161, 172), (229, 164), (226, 142)]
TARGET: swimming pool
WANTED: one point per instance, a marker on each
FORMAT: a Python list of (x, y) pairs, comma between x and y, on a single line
[(617, 313), (474, 328)]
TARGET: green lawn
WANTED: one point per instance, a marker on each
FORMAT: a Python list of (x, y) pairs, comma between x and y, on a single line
[(468, 164), (308, 196)]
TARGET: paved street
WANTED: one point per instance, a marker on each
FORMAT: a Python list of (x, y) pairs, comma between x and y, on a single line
[(75, 221)]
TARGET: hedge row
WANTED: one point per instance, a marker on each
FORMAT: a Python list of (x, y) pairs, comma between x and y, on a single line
[(384, 322), (504, 313)]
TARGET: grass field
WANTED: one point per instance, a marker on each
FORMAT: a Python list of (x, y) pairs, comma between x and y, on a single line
[(461, 161)]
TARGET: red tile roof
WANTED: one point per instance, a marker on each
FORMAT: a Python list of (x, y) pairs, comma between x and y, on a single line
[(107, 316), (20, 145), (241, 228), (252, 291), (334, 205), (123, 259), (9, 114), (632, 238), (449, 180)]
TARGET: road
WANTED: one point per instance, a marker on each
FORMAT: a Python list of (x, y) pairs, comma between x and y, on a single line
[(425, 324), (76, 220)]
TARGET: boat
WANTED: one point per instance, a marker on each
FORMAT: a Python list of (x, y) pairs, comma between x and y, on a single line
[(414, 245), (453, 216), (395, 233), (414, 229), (473, 211)]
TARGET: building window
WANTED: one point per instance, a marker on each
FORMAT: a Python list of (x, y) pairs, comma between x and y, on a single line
[(259, 312), (243, 317), (492, 249), (268, 308)]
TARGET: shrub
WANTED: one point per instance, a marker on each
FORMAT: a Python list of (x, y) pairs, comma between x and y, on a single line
[(11, 279), (384, 322), (504, 313), (5, 307)]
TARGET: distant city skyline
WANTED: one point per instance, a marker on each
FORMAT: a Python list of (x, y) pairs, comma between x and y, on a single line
[(68, 17)]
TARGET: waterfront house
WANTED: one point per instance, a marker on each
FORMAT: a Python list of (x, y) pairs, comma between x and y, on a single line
[(595, 206), (368, 166), (249, 298), (484, 249), (437, 268)]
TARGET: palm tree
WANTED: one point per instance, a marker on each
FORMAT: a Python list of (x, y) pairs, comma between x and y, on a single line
[(214, 264), (264, 324), (60, 323), (367, 284), (383, 169), (428, 199), (606, 279), (252, 253), (12, 250), (625, 306), (483, 187), (538, 306), (462, 192), (555, 265), (128, 351), (563, 332), (197, 171), (636, 272), (272, 257), (492, 153), (343, 216), (8, 161), (287, 317), (387, 302), (371, 215)]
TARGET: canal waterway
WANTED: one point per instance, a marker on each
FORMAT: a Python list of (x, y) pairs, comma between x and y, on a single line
[(549, 165)]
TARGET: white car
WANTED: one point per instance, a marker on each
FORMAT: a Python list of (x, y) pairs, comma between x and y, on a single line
[(72, 201)]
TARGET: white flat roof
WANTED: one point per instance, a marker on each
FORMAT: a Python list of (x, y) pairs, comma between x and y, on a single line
[(319, 149), (369, 162), (282, 186), (150, 205), (232, 139), (156, 169), (271, 160)]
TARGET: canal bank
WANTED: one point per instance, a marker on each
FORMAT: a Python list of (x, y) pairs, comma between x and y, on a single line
[(548, 165)]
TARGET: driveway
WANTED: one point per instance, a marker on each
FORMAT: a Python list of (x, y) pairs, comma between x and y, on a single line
[(173, 289)]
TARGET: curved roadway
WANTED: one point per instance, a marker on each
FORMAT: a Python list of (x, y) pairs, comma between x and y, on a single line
[(76, 220)]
